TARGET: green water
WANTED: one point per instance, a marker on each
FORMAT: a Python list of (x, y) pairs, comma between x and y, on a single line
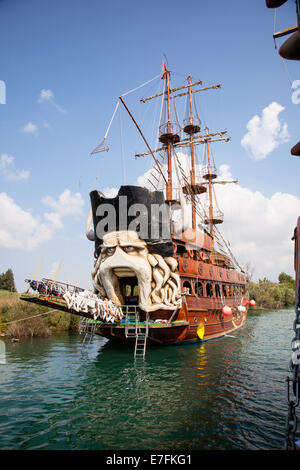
[(222, 394)]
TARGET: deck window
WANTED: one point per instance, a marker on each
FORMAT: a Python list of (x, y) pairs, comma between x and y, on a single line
[(209, 290), (187, 288), (218, 291), (199, 289), (135, 291), (127, 290)]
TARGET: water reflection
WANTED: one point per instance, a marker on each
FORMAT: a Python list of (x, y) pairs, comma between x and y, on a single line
[(220, 394)]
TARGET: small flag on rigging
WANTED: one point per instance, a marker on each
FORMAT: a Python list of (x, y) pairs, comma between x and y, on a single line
[(164, 72)]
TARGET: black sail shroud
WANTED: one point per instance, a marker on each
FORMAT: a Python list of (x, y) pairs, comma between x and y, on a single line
[(296, 150), (157, 222), (275, 3), (290, 49)]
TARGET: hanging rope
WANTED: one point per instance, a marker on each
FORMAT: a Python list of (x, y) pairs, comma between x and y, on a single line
[(274, 28)]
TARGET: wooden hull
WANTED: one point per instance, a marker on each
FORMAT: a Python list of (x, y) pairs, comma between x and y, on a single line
[(184, 326)]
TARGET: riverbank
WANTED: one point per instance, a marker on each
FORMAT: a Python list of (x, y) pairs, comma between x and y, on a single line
[(36, 320)]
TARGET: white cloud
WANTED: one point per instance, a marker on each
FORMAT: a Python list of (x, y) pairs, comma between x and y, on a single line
[(48, 95), (143, 179), (45, 95), (8, 170), (66, 203), (21, 230), (30, 128), (259, 228), (265, 133), (110, 192)]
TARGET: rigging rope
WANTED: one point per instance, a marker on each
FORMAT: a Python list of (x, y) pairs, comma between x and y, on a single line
[(122, 149), (115, 110), (281, 58), (140, 86), (155, 133), (28, 318), (218, 236)]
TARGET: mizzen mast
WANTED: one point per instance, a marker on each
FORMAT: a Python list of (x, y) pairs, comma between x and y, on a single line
[(192, 127), (209, 174)]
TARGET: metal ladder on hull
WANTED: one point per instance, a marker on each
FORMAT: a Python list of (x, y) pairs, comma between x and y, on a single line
[(135, 330), (140, 345), (87, 328)]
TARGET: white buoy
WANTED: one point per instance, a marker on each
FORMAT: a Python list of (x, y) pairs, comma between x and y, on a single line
[(226, 311)]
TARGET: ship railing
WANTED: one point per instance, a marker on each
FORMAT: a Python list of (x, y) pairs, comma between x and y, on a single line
[(169, 128), (51, 287), (62, 286)]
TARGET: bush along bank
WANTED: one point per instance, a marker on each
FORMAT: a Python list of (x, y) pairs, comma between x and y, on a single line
[(39, 323), (273, 295)]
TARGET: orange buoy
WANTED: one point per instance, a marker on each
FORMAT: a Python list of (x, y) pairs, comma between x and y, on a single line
[(211, 259), (201, 254), (175, 248), (191, 253)]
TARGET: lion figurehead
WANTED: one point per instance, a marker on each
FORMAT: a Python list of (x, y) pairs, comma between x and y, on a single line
[(124, 255)]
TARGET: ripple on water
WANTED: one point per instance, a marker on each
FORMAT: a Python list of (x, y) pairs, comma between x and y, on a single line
[(222, 394)]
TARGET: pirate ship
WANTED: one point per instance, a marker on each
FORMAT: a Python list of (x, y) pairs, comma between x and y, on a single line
[(157, 277)]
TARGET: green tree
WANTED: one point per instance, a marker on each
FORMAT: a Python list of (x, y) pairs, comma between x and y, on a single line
[(7, 281), (284, 278), (268, 294)]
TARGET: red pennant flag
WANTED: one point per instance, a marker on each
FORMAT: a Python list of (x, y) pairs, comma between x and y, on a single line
[(164, 72)]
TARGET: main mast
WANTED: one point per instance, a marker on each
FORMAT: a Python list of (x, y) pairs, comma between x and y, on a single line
[(169, 184), (169, 136), (191, 129)]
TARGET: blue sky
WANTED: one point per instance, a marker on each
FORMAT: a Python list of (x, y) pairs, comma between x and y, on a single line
[(85, 54)]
